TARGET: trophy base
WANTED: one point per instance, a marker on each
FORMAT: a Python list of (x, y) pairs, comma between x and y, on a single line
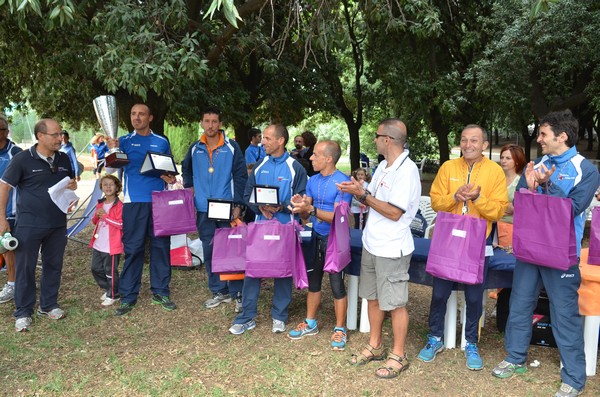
[(116, 160)]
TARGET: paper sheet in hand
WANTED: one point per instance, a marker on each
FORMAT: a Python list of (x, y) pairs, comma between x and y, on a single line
[(62, 196)]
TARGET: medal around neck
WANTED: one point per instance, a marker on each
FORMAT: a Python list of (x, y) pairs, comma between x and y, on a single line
[(107, 115), (158, 164)]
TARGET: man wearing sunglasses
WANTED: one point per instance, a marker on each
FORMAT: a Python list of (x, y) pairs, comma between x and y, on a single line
[(41, 224), (393, 197)]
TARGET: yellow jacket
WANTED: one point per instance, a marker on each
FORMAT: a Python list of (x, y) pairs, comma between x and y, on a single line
[(493, 199)]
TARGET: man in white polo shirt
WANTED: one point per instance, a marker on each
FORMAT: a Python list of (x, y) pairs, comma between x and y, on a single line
[(393, 196)]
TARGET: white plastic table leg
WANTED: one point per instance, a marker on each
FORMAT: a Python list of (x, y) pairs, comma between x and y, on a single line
[(364, 317), (450, 322), (483, 302), (352, 313), (591, 329)]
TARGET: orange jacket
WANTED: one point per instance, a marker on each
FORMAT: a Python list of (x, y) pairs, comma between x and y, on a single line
[(493, 199)]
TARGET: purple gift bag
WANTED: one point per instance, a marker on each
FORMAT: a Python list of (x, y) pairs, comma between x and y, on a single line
[(594, 255), (457, 251), (274, 250), (229, 250), (299, 268), (540, 230), (338, 255), (173, 212), (270, 250)]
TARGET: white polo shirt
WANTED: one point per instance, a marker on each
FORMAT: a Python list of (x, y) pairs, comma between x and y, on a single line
[(399, 185)]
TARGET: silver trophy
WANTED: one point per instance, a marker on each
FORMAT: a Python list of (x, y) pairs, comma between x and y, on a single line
[(108, 117)]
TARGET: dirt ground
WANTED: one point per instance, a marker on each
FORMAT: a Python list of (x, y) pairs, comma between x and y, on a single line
[(189, 351)]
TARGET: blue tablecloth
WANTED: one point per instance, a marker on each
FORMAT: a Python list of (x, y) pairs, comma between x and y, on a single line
[(499, 273)]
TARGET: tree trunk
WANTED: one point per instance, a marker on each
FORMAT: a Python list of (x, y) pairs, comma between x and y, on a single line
[(241, 135), (528, 138), (353, 131), (597, 128), (441, 131)]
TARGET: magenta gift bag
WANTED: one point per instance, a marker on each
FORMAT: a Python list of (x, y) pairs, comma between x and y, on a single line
[(299, 269), (337, 255), (457, 251), (270, 249), (540, 230), (229, 249), (173, 212), (594, 255)]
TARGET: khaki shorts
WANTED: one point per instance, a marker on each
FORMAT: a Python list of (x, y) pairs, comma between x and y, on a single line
[(384, 280)]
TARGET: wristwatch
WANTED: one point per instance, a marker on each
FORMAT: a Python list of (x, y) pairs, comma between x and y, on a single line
[(313, 212), (363, 198)]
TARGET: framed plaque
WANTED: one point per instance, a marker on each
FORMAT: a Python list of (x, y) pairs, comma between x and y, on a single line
[(157, 164), (266, 195), (219, 210)]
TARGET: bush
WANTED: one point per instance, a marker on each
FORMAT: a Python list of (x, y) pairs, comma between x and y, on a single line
[(181, 137)]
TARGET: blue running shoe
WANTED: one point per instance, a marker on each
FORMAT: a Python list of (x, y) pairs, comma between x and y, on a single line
[(302, 330), (431, 349), (338, 339), (474, 361)]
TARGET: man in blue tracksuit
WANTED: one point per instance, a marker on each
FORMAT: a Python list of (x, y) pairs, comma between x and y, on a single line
[(561, 172), (214, 166), (8, 150), (277, 169), (137, 215)]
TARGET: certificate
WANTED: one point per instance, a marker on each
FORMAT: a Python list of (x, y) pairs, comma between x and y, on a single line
[(219, 210), (266, 195)]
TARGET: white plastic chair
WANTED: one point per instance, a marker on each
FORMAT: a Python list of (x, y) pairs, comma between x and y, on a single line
[(428, 213)]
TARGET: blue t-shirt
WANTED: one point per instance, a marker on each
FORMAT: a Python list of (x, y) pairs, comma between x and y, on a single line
[(324, 193), (138, 188), (100, 149), (254, 154), (70, 151)]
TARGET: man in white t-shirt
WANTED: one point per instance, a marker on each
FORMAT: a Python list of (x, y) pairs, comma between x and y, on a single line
[(393, 197)]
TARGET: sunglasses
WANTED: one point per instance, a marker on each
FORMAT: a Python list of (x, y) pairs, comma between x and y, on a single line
[(387, 136)]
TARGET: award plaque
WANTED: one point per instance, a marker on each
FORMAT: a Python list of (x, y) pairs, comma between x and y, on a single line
[(107, 114), (157, 164), (219, 210), (266, 195)]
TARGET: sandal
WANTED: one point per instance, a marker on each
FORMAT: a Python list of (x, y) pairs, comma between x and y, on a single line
[(377, 354), (392, 372)]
